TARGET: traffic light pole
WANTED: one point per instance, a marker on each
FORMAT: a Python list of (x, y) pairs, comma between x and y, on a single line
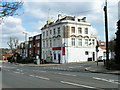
[(106, 33)]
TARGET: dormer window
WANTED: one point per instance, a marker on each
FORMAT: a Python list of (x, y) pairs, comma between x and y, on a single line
[(102, 44)]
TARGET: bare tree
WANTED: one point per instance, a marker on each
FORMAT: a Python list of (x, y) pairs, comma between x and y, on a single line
[(13, 44), (9, 8)]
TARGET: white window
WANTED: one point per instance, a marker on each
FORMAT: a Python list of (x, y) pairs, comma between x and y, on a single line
[(43, 34), (46, 43), (38, 44), (46, 33), (30, 45), (37, 37), (79, 30), (80, 42), (43, 43), (86, 30), (86, 42), (50, 43), (50, 31), (73, 41), (38, 52)]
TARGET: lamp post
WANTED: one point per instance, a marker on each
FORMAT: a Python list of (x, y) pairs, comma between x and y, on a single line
[(25, 43), (106, 34)]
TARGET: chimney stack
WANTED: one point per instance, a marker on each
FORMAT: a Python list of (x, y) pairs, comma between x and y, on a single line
[(59, 16), (48, 21)]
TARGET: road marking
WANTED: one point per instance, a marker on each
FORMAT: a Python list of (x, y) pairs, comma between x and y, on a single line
[(39, 71), (32, 75), (16, 72), (43, 78), (40, 77), (76, 84), (109, 80), (67, 74), (19, 70), (75, 67)]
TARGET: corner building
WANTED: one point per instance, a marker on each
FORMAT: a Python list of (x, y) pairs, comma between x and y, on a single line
[(68, 39)]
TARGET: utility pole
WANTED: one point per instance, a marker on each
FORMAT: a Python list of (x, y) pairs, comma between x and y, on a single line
[(106, 34), (25, 43)]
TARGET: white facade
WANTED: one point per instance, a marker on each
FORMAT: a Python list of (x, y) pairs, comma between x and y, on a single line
[(72, 33)]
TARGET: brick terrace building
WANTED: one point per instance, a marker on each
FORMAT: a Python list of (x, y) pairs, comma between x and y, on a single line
[(34, 47)]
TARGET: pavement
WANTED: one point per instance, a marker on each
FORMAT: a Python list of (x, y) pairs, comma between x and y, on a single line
[(101, 69), (50, 64)]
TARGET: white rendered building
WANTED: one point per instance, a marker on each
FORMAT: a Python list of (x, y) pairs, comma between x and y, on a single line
[(68, 39)]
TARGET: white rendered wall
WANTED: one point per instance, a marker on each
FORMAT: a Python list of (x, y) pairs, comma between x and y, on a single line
[(78, 54)]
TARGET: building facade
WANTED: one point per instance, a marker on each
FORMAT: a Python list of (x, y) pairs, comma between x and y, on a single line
[(34, 47), (68, 39), (23, 49), (102, 50)]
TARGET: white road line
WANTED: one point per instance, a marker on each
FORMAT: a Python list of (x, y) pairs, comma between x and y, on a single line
[(67, 74), (75, 67), (43, 78), (19, 70), (42, 71), (16, 72), (109, 80), (76, 84), (40, 77), (32, 75), (39, 71)]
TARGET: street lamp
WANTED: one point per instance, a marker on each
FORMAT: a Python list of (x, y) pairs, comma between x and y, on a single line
[(25, 43), (106, 34)]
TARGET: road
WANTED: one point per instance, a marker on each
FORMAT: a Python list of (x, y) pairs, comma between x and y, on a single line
[(62, 76)]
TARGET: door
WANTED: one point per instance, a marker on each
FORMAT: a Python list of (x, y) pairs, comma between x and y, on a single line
[(59, 58)]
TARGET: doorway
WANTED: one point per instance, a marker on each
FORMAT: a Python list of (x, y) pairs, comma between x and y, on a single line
[(59, 58), (93, 56)]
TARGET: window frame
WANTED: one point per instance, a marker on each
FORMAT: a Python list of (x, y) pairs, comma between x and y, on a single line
[(80, 42), (73, 30), (79, 29), (72, 41), (86, 30)]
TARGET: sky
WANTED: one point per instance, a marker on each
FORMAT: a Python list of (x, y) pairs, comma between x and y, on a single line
[(34, 14)]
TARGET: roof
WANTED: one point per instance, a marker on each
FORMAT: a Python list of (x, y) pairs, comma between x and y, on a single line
[(102, 45), (62, 19)]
